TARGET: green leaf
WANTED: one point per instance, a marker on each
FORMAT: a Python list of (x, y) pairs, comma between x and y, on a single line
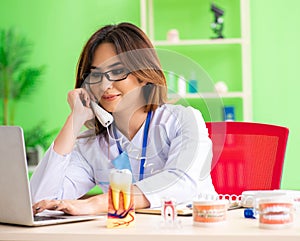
[(38, 135), (14, 50), (17, 80), (26, 82)]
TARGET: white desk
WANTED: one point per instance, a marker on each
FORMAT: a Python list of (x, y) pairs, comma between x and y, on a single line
[(147, 228)]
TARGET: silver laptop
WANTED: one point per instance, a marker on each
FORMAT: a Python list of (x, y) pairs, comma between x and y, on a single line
[(15, 199)]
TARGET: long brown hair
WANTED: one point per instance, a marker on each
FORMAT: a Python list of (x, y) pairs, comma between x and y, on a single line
[(136, 53)]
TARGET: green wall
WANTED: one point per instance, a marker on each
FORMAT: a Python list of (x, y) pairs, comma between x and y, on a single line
[(276, 84), (59, 28)]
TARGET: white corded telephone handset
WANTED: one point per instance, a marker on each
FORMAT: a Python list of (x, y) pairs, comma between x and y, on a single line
[(102, 115)]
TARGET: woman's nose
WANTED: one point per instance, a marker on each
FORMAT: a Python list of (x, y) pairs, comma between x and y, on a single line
[(106, 84)]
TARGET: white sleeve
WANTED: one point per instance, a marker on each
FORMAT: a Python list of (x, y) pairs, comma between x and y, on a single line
[(188, 164), (61, 177)]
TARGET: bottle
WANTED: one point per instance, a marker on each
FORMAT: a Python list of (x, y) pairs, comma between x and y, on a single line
[(181, 85), (172, 83), (193, 84), (229, 113)]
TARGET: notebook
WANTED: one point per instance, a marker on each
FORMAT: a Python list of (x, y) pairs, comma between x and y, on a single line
[(181, 210), (15, 200)]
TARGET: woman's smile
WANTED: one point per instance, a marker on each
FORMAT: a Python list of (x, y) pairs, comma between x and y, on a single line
[(110, 97)]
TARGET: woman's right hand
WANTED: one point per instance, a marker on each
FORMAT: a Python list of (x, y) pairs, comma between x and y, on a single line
[(79, 102), (80, 113)]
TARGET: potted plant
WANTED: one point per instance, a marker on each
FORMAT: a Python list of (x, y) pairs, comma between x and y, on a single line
[(18, 80), (37, 140)]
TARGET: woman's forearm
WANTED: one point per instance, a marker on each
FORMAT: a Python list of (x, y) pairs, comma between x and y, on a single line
[(66, 138), (140, 199), (99, 204)]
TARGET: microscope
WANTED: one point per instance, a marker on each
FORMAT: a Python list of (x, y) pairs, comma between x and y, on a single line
[(218, 24)]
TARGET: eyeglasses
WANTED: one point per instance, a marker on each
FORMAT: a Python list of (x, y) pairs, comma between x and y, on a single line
[(96, 77)]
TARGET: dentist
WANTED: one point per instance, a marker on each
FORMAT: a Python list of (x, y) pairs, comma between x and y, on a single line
[(166, 147)]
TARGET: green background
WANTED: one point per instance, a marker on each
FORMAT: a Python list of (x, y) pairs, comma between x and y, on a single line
[(59, 28)]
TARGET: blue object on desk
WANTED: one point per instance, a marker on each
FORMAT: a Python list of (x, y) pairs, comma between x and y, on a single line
[(189, 205), (249, 213)]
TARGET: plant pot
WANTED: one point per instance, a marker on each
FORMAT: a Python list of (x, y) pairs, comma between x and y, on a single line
[(34, 155)]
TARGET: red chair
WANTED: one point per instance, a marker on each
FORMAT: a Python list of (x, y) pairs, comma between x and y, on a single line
[(247, 156)]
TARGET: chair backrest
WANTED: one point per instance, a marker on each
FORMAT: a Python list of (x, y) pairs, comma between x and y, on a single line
[(247, 156)]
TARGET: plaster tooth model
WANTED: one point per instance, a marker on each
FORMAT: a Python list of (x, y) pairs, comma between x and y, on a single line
[(120, 181), (120, 199)]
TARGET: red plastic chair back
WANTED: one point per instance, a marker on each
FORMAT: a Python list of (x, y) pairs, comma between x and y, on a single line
[(247, 156)]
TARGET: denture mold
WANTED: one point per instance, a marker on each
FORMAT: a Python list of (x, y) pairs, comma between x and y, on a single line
[(276, 212), (206, 213)]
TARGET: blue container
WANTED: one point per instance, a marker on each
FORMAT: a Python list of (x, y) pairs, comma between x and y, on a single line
[(193, 86), (229, 114)]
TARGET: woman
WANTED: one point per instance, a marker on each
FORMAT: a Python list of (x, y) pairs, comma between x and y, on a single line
[(165, 146)]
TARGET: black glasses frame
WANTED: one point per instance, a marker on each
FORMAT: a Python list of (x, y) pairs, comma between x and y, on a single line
[(106, 74)]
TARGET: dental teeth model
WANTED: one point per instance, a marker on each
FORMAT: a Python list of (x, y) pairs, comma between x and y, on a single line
[(275, 213), (120, 199), (207, 212), (169, 212), (120, 181)]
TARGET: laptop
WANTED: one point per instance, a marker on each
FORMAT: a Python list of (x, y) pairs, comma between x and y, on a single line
[(15, 200)]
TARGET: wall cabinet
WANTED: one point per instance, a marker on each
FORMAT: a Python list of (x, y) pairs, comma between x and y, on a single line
[(197, 55)]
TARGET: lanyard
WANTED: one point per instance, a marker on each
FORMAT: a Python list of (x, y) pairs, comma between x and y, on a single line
[(144, 146)]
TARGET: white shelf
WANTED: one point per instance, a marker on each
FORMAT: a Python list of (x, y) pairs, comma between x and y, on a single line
[(147, 23), (198, 42), (207, 95)]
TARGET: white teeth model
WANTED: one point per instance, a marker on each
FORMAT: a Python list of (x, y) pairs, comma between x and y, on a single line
[(120, 180), (277, 209)]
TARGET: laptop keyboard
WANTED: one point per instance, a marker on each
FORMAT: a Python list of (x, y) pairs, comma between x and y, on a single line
[(44, 218)]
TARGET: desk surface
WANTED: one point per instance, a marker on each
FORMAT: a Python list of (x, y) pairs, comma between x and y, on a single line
[(148, 227)]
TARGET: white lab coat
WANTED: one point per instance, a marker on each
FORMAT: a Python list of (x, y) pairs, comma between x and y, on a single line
[(178, 160)]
